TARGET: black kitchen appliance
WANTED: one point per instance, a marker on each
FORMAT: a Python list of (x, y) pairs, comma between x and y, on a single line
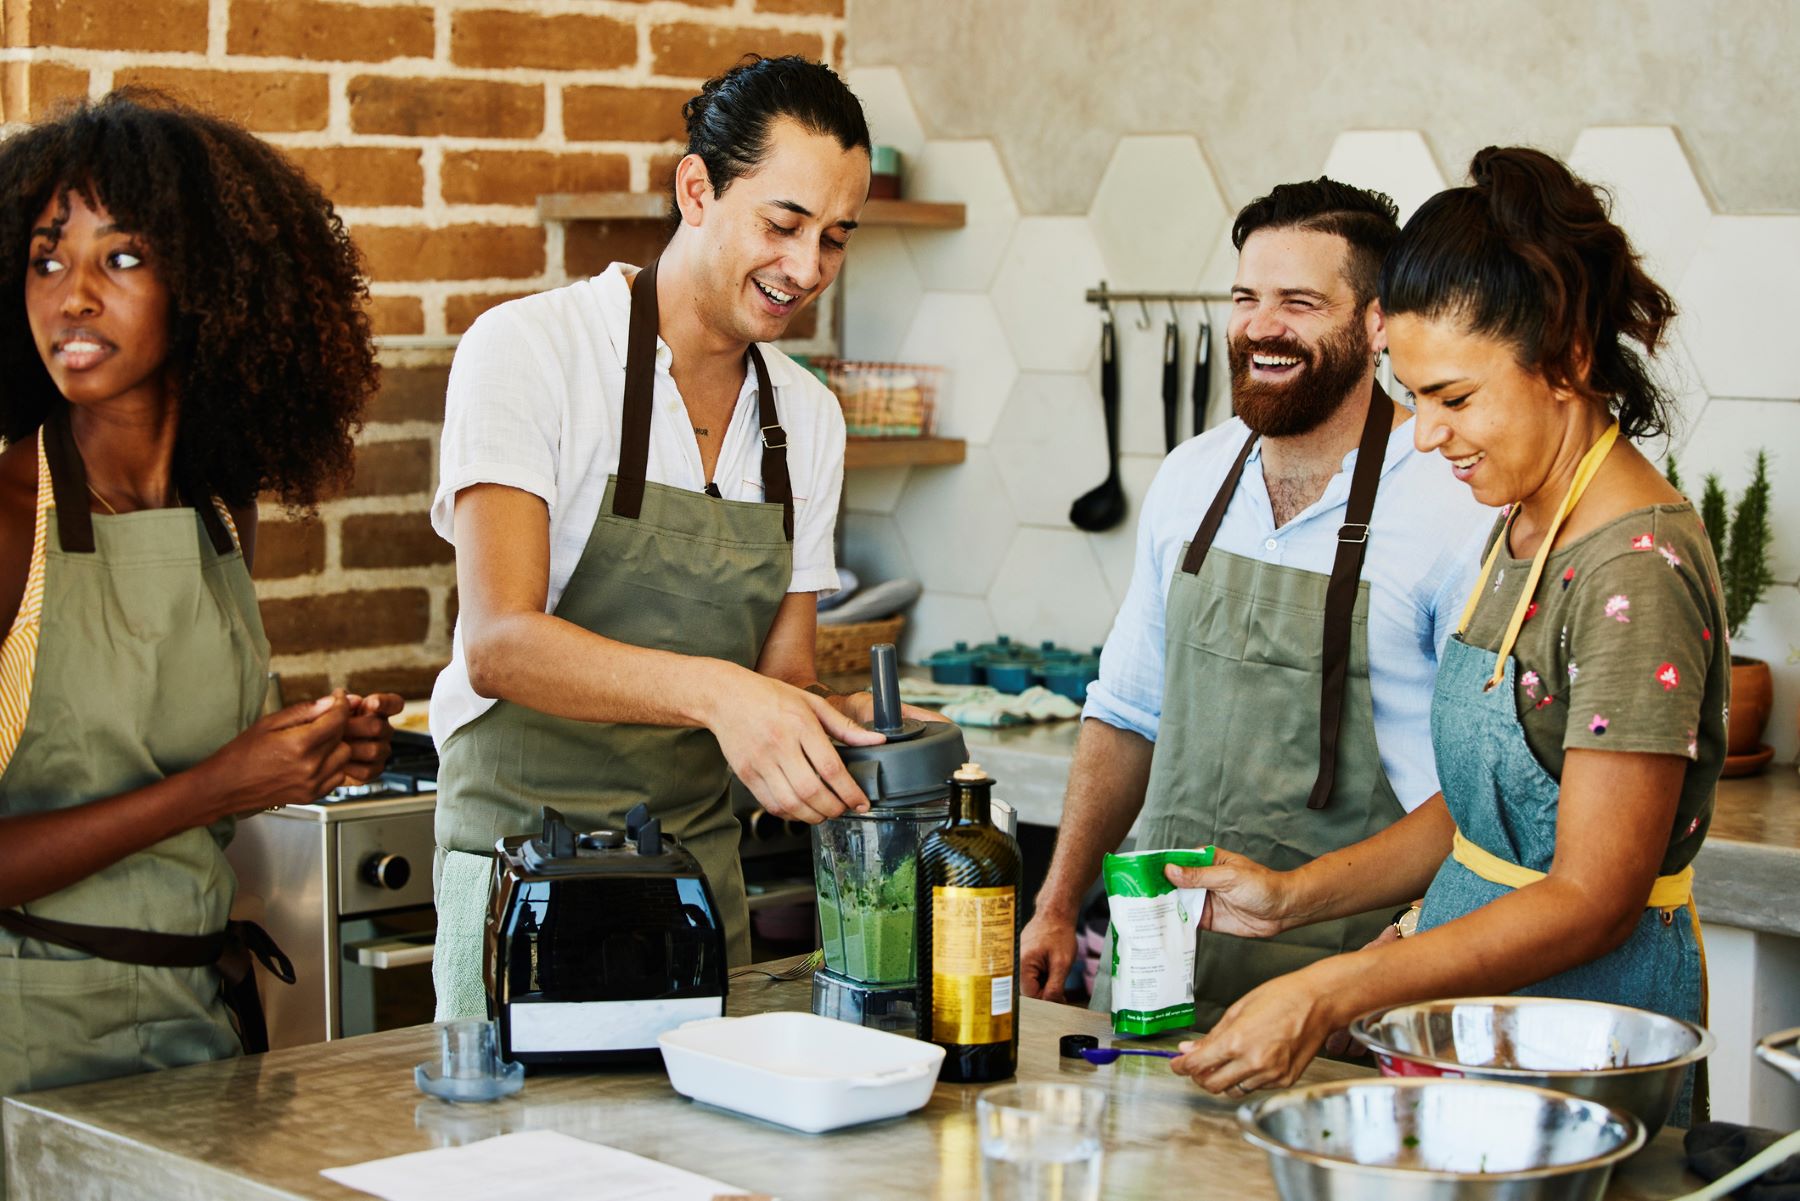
[(598, 942)]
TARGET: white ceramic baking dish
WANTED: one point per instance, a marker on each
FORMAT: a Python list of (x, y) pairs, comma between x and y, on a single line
[(800, 1070)]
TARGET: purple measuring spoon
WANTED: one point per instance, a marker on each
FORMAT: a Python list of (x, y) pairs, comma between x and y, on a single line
[(1105, 1055)]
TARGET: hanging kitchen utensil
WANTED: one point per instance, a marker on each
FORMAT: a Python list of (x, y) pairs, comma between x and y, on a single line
[(1202, 371), (1171, 381), (1104, 506)]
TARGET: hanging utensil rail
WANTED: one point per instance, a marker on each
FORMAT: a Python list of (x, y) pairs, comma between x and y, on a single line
[(1105, 296)]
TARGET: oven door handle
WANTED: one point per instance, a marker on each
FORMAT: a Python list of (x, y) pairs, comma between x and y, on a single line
[(385, 953)]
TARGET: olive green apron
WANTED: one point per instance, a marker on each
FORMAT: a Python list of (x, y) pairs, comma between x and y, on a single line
[(1243, 761), (151, 656), (664, 568)]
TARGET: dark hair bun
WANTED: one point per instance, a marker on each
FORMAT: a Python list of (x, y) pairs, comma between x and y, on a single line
[(1529, 253)]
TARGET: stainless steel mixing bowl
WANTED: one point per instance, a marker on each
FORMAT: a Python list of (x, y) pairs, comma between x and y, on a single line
[(1781, 1051), (1428, 1139), (1630, 1059)]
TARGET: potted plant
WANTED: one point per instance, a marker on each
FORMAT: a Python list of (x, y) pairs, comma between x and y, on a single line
[(1740, 539)]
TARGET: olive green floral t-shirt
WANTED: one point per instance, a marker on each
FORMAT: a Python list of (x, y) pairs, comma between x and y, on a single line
[(1623, 649)]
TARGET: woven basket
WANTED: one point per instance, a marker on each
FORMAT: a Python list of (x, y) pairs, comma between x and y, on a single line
[(844, 650)]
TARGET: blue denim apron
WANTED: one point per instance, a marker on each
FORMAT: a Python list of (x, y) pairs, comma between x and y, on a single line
[(1504, 802)]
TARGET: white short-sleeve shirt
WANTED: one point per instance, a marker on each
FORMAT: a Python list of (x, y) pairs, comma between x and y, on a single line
[(536, 401)]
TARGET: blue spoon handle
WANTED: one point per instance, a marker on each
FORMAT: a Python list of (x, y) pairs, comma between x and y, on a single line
[(1102, 1056)]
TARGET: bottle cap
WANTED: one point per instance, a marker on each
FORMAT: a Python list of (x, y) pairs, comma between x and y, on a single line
[(1072, 1045), (970, 773)]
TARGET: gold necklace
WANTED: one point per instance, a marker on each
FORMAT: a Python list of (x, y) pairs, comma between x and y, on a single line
[(96, 494)]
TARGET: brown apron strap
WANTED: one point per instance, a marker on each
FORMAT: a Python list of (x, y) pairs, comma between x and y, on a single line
[(1346, 571), (208, 509), (244, 941), (776, 488), (640, 395), (230, 951), (68, 484), (1209, 525), (1340, 593)]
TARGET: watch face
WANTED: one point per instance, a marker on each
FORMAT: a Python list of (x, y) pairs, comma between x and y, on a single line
[(1408, 923)]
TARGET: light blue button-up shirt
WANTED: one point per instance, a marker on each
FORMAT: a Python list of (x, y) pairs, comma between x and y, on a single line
[(1425, 541)]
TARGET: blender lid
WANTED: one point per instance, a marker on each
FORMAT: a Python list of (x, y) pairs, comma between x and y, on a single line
[(908, 773), (911, 767)]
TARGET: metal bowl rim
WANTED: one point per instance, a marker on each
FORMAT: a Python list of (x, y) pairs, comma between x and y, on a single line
[(1779, 1049), (1781, 1040), (1361, 1030), (1249, 1111)]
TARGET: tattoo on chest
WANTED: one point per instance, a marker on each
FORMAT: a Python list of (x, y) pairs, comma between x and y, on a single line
[(699, 432)]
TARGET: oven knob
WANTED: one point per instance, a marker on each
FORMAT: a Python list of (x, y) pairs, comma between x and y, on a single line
[(386, 871)]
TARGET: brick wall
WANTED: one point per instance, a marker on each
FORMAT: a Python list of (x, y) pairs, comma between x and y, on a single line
[(434, 125)]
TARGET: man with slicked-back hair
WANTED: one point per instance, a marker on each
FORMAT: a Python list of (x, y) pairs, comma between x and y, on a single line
[(642, 494)]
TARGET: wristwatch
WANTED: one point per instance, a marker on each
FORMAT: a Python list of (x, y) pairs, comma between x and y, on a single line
[(1406, 921)]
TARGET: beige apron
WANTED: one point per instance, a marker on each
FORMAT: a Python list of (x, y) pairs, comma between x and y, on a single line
[(151, 656), (1243, 761), (665, 568)]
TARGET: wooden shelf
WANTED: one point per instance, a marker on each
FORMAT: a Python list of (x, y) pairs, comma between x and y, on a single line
[(927, 214), (903, 452), (653, 206)]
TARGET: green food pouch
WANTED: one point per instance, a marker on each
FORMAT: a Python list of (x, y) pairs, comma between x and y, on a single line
[(1154, 925)]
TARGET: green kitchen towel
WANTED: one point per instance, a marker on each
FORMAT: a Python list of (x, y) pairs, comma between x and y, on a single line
[(462, 883)]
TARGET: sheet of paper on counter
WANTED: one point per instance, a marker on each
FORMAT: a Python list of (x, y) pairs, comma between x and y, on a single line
[(527, 1166)]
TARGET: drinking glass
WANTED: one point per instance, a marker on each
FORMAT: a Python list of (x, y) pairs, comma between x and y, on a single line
[(1040, 1142)]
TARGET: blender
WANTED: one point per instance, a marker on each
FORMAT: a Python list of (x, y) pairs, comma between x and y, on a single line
[(866, 865)]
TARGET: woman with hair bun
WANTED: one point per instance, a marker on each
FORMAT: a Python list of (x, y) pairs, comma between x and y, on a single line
[(180, 331), (1579, 714)]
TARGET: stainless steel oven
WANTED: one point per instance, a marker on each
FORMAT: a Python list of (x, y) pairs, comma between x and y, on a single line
[(344, 886)]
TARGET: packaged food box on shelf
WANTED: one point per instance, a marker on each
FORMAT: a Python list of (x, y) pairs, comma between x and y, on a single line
[(885, 400)]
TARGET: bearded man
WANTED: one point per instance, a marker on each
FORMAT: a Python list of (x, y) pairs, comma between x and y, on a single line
[(1266, 686)]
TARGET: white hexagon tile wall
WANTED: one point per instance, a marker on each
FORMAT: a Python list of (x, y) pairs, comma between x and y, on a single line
[(1655, 194), (962, 332), (1160, 183), (1395, 161), (962, 260), (1000, 302)]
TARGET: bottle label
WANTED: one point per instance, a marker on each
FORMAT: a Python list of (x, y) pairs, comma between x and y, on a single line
[(972, 932)]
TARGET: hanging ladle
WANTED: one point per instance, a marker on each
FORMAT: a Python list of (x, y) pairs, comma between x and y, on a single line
[(1104, 507)]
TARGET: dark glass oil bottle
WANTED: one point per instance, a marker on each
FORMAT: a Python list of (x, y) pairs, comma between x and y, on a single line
[(969, 916)]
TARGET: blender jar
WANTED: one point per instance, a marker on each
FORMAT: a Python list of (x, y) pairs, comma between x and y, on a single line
[(866, 869), (866, 865)]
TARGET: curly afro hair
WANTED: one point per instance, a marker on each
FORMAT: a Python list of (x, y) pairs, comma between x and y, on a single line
[(269, 342)]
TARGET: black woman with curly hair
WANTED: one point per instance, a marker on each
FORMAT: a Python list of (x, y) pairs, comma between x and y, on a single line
[(180, 331)]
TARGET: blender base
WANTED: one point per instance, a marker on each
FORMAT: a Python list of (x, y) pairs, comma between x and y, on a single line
[(890, 1007)]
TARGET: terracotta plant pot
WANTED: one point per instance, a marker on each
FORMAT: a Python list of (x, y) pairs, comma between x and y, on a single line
[(1752, 696)]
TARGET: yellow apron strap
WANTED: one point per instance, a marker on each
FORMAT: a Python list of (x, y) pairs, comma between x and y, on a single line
[(1584, 475), (1700, 944), (1667, 893)]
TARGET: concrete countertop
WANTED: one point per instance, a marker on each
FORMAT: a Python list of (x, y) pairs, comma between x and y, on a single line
[(1747, 874), (262, 1127)]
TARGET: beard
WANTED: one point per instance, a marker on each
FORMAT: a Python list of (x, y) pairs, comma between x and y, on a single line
[(1327, 373)]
